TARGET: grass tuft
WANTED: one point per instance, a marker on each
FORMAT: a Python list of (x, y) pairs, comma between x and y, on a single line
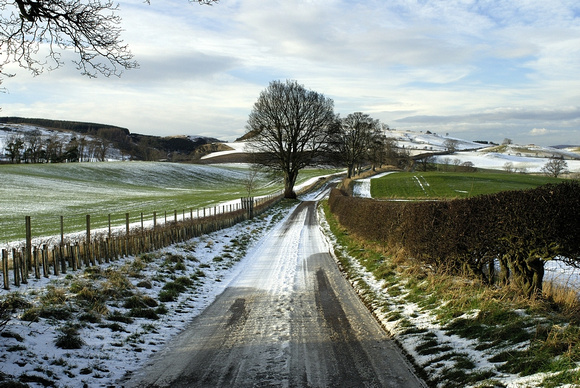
[(69, 338)]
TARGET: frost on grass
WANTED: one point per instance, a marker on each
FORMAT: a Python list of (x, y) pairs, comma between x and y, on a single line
[(472, 348), (93, 326)]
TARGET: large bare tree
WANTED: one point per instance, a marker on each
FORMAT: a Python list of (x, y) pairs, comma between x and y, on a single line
[(290, 126), (35, 33), (555, 167), (356, 138)]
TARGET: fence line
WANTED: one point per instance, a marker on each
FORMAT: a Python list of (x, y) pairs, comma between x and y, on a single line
[(98, 248)]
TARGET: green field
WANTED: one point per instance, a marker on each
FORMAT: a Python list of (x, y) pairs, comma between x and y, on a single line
[(435, 185), (47, 191)]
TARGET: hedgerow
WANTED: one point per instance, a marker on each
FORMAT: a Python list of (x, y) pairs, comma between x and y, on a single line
[(519, 230)]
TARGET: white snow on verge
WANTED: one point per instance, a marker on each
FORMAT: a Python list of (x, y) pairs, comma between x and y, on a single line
[(424, 321), (108, 354)]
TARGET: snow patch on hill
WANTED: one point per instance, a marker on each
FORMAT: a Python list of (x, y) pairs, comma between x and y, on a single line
[(529, 158)]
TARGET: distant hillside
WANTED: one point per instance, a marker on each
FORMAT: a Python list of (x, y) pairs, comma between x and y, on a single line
[(130, 145), (80, 127)]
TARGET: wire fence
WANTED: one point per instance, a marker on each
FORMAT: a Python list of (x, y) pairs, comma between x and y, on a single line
[(38, 258)]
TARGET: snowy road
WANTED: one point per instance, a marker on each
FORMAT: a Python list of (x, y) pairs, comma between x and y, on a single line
[(289, 319)]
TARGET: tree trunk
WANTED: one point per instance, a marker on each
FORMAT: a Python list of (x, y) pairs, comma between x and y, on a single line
[(350, 169), (289, 181), (504, 270), (528, 275)]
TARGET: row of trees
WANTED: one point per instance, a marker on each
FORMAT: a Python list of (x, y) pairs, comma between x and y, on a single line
[(292, 128), (32, 147)]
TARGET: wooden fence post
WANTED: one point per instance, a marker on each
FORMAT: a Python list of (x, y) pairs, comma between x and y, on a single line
[(61, 230), (5, 269), (36, 263), (73, 256), (126, 223), (88, 252), (154, 220), (55, 261), (28, 256), (62, 258), (45, 269), (16, 267)]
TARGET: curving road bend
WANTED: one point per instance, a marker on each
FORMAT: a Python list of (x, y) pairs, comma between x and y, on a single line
[(289, 319)]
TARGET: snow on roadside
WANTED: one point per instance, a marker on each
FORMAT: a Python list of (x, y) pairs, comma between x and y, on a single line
[(425, 323), (110, 351)]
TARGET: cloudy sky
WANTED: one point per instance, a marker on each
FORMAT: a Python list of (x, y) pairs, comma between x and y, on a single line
[(478, 70)]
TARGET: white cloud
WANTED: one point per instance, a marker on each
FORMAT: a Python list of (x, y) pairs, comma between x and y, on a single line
[(539, 132), (475, 67)]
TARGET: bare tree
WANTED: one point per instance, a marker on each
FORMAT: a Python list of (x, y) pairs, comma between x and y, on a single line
[(508, 167), (450, 145), (92, 28), (82, 144), (555, 167), (290, 127), (33, 140), (99, 149), (15, 148), (425, 162), (251, 180), (355, 137), (378, 150)]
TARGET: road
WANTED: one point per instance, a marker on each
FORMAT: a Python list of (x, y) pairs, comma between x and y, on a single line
[(289, 319)]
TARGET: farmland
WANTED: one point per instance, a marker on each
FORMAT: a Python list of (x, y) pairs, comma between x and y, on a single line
[(47, 191), (435, 185)]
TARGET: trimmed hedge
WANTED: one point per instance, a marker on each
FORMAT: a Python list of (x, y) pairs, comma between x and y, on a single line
[(519, 229)]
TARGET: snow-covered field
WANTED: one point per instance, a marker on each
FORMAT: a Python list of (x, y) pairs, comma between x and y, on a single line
[(523, 158), (73, 190), (497, 161)]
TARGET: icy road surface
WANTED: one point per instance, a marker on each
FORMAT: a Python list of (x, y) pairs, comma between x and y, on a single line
[(289, 319)]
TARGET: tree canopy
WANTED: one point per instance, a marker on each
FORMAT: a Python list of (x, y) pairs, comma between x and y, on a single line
[(290, 126), (359, 134)]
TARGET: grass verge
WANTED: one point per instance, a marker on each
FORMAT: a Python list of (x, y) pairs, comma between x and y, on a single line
[(460, 332)]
